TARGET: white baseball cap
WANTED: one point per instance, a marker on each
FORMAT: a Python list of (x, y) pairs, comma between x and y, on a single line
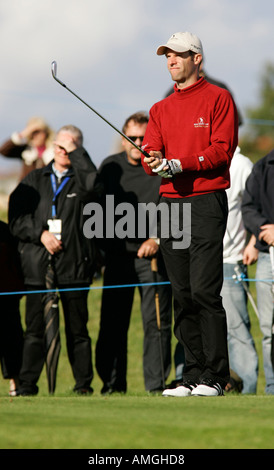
[(182, 42)]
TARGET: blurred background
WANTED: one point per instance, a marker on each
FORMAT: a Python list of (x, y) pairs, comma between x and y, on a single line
[(106, 53)]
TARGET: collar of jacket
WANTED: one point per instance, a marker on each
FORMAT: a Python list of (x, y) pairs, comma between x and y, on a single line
[(47, 170), (270, 158)]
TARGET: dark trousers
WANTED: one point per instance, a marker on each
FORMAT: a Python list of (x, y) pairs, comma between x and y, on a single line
[(11, 336), (111, 347), (196, 276), (77, 339)]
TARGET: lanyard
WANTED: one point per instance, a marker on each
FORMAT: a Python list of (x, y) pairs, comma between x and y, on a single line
[(56, 191)]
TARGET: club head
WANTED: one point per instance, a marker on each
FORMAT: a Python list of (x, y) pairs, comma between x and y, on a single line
[(54, 68), (54, 73)]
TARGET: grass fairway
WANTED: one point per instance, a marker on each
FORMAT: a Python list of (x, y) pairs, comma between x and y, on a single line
[(136, 420)]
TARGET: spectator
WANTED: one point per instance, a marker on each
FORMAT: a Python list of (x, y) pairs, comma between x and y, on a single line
[(243, 357), (258, 217), (33, 145), (11, 331), (32, 209)]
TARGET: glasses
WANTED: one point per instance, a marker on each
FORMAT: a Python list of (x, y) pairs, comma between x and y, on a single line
[(136, 137)]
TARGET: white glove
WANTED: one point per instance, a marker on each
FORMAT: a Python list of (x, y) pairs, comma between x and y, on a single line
[(173, 167)]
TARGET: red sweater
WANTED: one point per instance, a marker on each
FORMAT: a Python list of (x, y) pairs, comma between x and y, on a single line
[(199, 126)]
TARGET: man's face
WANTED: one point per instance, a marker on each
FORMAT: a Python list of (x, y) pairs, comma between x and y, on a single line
[(136, 133), (38, 138), (61, 157), (183, 67)]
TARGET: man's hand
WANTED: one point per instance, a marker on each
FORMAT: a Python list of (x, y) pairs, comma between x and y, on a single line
[(163, 167), (148, 249), (250, 255), (267, 234), (50, 242), (66, 142), (155, 159), (169, 168)]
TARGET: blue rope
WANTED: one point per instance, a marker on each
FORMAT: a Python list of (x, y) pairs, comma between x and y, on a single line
[(83, 288), (119, 286)]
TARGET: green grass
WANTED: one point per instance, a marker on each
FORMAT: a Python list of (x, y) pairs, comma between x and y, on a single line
[(136, 420)]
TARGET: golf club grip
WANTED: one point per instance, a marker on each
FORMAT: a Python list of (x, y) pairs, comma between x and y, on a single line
[(145, 153), (157, 305), (154, 267)]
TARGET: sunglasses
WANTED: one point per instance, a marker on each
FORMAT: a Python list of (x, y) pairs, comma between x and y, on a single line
[(134, 137)]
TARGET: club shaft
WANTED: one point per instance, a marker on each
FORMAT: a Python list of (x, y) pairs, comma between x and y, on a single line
[(102, 117)]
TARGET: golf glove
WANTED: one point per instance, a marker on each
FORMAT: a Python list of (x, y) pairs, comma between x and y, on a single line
[(174, 167)]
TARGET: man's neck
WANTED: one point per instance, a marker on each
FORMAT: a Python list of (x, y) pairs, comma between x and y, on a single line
[(193, 79), (59, 171)]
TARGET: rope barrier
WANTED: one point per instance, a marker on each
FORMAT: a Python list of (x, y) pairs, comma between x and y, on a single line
[(118, 286)]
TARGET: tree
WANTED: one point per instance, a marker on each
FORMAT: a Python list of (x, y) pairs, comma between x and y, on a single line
[(260, 137)]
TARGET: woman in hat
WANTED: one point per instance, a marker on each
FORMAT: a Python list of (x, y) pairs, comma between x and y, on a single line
[(33, 145)]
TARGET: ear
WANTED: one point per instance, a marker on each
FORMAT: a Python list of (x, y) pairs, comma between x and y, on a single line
[(198, 59)]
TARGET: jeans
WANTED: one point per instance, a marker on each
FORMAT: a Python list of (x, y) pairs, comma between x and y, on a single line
[(265, 307), (243, 357)]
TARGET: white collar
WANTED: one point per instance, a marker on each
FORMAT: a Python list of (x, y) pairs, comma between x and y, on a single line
[(58, 173)]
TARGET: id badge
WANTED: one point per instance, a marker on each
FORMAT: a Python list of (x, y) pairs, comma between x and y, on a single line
[(55, 227)]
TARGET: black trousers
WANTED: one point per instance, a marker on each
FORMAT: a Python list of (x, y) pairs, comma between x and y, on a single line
[(78, 342), (111, 346), (196, 276), (11, 336)]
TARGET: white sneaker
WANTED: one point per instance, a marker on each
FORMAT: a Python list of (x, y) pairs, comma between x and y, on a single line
[(208, 388), (183, 390)]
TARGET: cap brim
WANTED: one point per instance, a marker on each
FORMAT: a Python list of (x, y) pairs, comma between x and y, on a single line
[(173, 47)]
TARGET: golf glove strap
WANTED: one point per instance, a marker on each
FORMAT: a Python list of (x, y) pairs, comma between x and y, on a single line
[(174, 167)]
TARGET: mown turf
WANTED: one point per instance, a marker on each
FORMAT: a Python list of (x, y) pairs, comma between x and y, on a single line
[(136, 420)]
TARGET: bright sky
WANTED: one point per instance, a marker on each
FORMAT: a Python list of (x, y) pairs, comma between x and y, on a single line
[(106, 53)]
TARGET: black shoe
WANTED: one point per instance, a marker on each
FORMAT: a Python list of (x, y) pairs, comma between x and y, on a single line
[(156, 391), (175, 383), (234, 386), (27, 392), (108, 390)]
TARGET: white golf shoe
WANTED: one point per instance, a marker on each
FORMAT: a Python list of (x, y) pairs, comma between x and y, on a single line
[(207, 388), (182, 390)]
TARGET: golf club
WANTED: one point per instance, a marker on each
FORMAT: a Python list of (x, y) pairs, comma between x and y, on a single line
[(154, 269), (240, 277), (54, 74), (271, 252)]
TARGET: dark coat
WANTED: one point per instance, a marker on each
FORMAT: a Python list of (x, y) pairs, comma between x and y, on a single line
[(258, 198), (29, 210)]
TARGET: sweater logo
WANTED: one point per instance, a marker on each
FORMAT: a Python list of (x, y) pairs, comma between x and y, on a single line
[(201, 122)]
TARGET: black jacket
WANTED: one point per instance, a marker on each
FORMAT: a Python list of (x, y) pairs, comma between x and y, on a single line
[(29, 209), (258, 198), (128, 184)]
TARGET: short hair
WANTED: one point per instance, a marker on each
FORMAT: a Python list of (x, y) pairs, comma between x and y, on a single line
[(141, 117), (75, 131)]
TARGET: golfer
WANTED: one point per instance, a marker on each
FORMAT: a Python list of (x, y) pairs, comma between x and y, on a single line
[(191, 137)]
